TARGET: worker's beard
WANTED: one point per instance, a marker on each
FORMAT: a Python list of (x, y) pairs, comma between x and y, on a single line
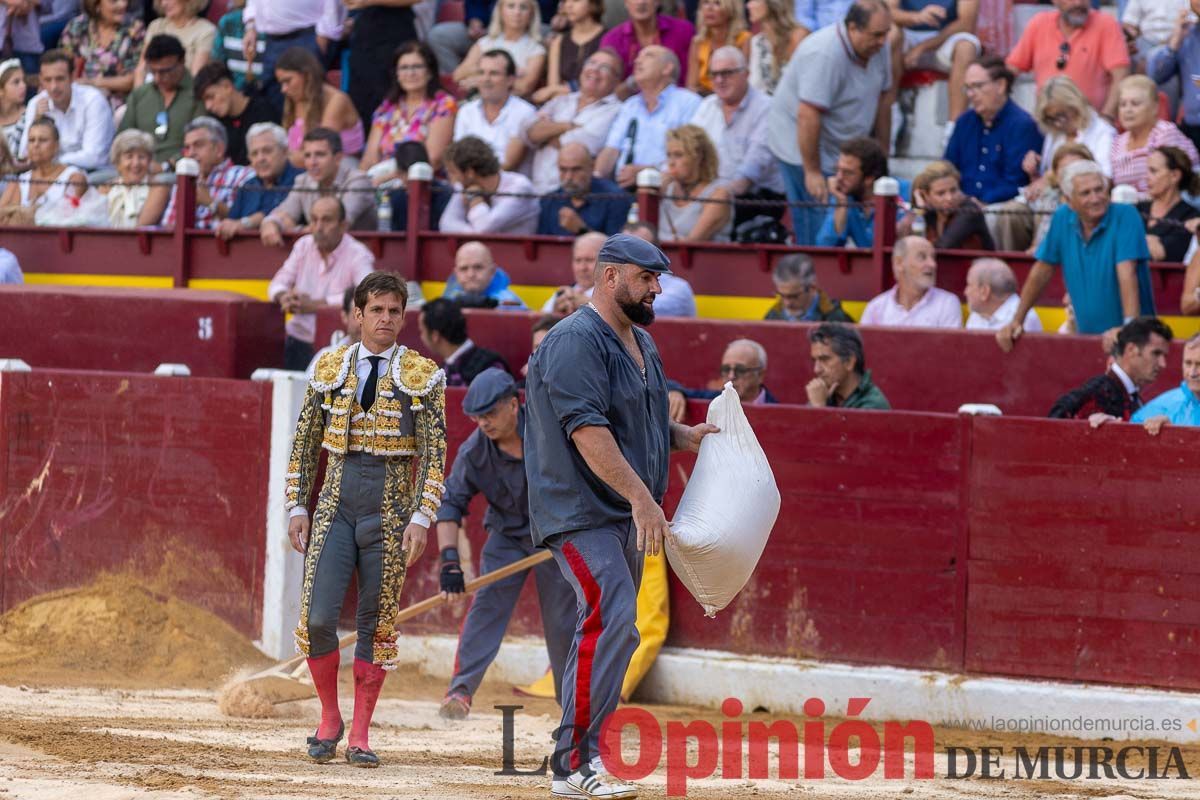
[(639, 313)]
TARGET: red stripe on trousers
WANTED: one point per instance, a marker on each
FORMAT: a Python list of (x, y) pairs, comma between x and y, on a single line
[(593, 626)]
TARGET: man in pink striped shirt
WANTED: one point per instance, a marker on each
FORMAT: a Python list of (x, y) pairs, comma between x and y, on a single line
[(914, 302), (321, 267)]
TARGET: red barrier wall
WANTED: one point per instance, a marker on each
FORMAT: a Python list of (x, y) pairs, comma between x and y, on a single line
[(217, 334), (919, 370), (167, 475)]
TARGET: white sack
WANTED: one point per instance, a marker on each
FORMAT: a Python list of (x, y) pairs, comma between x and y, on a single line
[(727, 510)]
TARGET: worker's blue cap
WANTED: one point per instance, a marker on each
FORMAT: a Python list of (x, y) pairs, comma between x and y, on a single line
[(489, 387), (621, 248)]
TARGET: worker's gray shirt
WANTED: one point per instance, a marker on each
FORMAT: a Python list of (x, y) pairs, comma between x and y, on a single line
[(481, 466), (580, 376)]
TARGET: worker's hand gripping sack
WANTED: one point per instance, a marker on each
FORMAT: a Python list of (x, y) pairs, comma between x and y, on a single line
[(727, 510)]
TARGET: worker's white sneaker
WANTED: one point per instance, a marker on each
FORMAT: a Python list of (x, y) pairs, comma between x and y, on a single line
[(592, 784), (560, 788)]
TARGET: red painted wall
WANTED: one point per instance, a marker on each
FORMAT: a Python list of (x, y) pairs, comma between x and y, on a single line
[(217, 334), (103, 471)]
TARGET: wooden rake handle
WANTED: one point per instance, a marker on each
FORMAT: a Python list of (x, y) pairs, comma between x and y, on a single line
[(428, 604)]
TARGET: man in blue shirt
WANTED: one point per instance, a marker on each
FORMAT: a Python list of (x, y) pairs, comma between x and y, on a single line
[(991, 138), (1181, 57), (274, 174), (1101, 247), (851, 214), (573, 209), (1179, 406)]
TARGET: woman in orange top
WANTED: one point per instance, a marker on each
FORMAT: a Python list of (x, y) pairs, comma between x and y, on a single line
[(718, 23)]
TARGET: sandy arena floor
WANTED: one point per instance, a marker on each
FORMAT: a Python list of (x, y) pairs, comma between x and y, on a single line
[(87, 743)]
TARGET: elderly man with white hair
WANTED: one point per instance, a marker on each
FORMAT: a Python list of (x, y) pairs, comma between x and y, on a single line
[(638, 136), (744, 364), (274, 175), (992, 298), (1101, 248), (914, 302), (735, 118), (204, 141)]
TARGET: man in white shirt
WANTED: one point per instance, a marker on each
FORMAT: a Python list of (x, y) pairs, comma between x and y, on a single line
[(497, 116), (81, 114), (992, 297), (486, 199), (914, 302)]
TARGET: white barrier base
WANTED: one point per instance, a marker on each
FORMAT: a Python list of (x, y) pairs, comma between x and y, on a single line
[(706, 677)]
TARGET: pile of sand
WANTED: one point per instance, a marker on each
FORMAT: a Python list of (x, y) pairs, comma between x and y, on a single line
[(118, 631)]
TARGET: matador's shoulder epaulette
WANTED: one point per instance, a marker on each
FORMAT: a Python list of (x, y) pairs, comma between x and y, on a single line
[(415, 374), (332, 369)]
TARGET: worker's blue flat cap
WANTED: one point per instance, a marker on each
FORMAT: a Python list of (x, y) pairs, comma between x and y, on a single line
[(621, 248), (489, 387)]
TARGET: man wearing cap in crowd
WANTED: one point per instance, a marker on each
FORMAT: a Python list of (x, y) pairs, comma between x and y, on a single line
[(598, 447), (492, 461)]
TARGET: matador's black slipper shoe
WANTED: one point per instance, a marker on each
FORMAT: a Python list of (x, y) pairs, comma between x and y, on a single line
[(323, 750), (359, 757)]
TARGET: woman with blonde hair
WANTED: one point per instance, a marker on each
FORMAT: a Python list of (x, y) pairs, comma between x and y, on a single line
[(772, 47), (718, 23), (133, 201), (953, 220), (1063, 114), (572, 47), (1137, 111), (516, 28), (695, 206), (309, 102), (181, 19)]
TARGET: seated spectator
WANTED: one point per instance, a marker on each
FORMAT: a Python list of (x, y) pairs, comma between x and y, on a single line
[(237, 112), (744, 364), (1178, 406), (676, 298), (12, 104), (772, 47), (46, 182), (444, 333), (1140, 353), (1143, 132), (323, 264), (1168, 175), (440, 191), (486, 200), (1178, 61), (273, 179), (415, 110), (81, 114), (1025, 222), (914, 301), (568, 299), (840, 375), (583, 117), (837, 86), (1064, 114), (637, 138), (953, 220), (991, 137), (163, 107), (800, 298), (735, 119), (1101, 248), (1085, 45), (10, 270), (310, 103), (719, 23), (220, 179), (181, 19), (645, 28), (106, 43), (571, 49), (1148, 25), (695, 206), (992, 298), (478, 282), (939, 35), (324, 171), (516, 28), (851, 215), (571, 210), (497, 116), (228, 50), (133, 201)]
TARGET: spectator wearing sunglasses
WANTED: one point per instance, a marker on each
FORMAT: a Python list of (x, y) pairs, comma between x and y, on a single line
[(165, 106), (1085, 45), (744, 364)]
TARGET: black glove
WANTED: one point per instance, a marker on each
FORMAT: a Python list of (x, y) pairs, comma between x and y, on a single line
[(452, 574)]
